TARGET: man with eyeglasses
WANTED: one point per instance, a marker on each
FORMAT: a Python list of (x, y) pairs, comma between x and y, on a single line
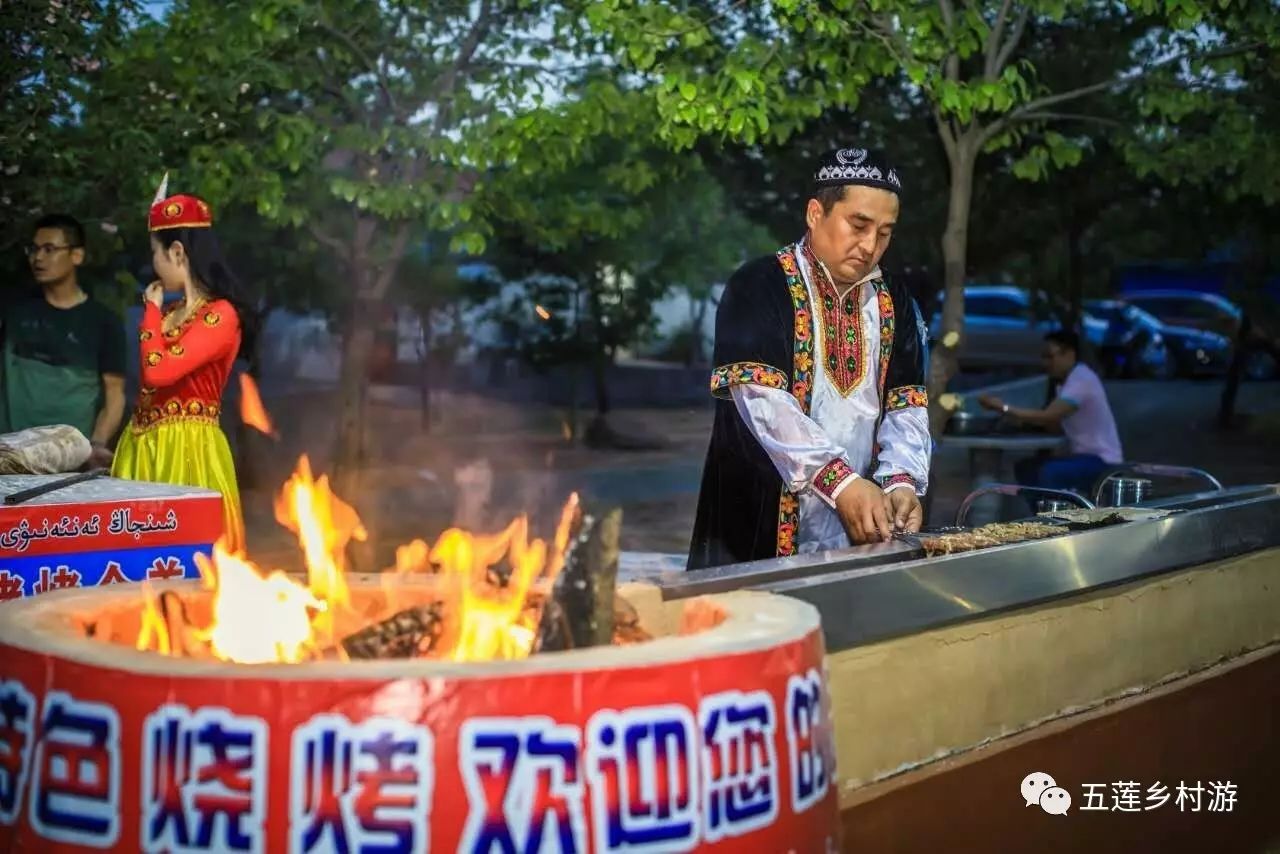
[(63, 351)]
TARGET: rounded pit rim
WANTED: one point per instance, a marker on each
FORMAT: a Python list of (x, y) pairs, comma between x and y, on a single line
[(756, 621)]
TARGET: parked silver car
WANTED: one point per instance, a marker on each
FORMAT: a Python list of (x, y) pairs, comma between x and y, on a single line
[(1004, 326)]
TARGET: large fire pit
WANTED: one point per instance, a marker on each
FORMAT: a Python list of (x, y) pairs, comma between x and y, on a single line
[(715, 740), (702, 725)]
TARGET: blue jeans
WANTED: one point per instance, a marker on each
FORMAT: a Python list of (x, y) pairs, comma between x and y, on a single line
[(1074, 472)]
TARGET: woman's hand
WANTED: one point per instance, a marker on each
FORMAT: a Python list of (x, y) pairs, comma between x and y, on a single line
[(154, 294)]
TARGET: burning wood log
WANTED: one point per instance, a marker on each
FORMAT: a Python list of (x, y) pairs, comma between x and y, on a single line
[(166, 627), (183, 641), (405, 634), (580, 610), (626, 623)]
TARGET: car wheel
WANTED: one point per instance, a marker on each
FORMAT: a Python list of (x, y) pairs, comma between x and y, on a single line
[(1260, 365), (1158, 362)]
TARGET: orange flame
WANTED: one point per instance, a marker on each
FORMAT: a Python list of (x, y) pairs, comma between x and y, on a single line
[(252, 412), (542, 312), (325, 524), (258, 617)]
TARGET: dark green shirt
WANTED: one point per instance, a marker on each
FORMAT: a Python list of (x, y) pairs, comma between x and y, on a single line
[(53, 362)]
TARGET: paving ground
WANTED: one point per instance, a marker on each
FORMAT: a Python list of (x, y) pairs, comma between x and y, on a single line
[(483, 462)]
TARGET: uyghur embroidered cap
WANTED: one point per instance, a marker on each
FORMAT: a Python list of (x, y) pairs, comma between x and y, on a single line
[(845, 166), (180, 211)]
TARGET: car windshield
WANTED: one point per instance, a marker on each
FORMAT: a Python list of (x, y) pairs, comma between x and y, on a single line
[(1105, 311), (1138, 315), (1192, 307)]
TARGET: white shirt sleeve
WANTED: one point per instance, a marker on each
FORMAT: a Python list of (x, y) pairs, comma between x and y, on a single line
[(1076, 388), (800, 450), (905, 449)]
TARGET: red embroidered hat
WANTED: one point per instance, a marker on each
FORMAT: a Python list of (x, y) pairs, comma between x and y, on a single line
[(180, 211)]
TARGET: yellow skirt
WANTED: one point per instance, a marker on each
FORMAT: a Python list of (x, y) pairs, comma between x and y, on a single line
[(185, 452)]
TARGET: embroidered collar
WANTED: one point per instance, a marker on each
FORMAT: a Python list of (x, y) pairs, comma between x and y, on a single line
[(805, 251)]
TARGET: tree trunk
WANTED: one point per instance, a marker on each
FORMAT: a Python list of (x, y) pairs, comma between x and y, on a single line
[(699, 320), (599, 349), (690, 351), (955, 243), (1227, 404), (424, 371), (600, 376), (353, 394), (1075, 267)]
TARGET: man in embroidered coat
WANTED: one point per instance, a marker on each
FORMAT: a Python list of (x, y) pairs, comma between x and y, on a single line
[(821, 433)]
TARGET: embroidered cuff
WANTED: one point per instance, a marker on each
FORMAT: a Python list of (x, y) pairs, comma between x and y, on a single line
[(897, 481), (726, 377), (831, 480), (906, 396)]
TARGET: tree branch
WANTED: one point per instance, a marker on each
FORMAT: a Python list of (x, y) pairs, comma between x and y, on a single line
[(373, 67), (1070, 117), (329, 240), (883, 31), (948, 13), (1006, 51), (992, 48), (539, 66), (392, 262), (951, 67), (464, 184), (700, 25), (466, 52), (948, 135), (1038, 104)]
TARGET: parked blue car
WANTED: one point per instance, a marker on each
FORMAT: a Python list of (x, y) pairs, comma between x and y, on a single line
[(1213, 314), (1129, 346)]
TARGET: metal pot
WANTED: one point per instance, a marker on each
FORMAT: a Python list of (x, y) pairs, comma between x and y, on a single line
[(972, 423), (1126, 491)]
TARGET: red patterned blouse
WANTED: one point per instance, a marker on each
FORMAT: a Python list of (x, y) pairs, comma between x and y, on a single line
[(185, 370)]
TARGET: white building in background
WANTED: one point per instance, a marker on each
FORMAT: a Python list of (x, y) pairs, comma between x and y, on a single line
[(302, 347), (673, 314)]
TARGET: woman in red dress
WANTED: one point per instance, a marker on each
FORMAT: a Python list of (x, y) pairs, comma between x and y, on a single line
[(187, 351)]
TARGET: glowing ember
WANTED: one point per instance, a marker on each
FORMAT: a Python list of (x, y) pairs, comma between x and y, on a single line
[(252, 412), (484, 582)]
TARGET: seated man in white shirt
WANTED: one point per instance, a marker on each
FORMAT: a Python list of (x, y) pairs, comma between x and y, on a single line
[(1080, 411)]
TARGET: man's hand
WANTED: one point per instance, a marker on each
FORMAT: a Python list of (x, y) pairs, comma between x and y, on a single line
[(903, 509), (861, 507), (100, 457), (990, 401)]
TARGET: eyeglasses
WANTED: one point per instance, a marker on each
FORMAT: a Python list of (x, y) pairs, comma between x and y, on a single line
[(33, 250)]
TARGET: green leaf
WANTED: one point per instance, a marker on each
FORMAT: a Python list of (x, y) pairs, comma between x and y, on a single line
[(688, 91)]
